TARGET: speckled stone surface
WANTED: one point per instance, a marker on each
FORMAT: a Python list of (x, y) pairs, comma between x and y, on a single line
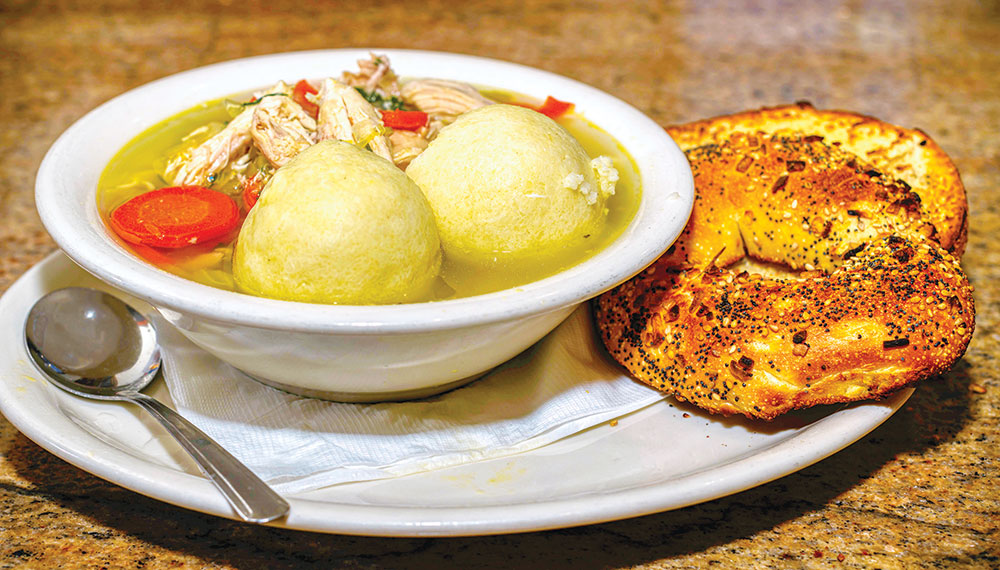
[(921, 491)]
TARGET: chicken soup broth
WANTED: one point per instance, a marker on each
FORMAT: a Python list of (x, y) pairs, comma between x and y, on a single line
[(144, 163)]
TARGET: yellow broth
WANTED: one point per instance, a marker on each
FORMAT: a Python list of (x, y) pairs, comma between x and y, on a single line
[(138, 168)]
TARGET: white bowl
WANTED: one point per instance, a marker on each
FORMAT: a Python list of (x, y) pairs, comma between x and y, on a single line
[(356, 353)]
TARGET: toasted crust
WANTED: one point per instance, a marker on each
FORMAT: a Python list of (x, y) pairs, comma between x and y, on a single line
[(909, 155), (880, 302), (898, 312), (788, 198)]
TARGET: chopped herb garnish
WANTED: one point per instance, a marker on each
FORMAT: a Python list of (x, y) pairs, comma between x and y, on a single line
[(258, 99), (236, 107), (390, 103)]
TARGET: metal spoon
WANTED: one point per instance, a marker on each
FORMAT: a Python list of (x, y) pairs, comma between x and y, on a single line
[(92, 344)]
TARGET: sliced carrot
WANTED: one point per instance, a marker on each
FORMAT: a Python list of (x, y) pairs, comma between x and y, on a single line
[(176, 216), (404, 120), (299, 92)]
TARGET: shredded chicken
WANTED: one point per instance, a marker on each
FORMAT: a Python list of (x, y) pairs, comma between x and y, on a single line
[(278, 128), (211, 156), (281, 129), (199, 164), (406, 145), (374, 75), (443, 98), (432, 128), (333, 121), (345, 115)]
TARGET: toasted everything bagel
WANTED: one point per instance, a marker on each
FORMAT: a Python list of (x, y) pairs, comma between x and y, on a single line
[(897, 312), (908, 155), (879, 302), (791, 199)]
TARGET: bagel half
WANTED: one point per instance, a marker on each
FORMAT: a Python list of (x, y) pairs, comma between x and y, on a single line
[(876, 299), (909, 156)]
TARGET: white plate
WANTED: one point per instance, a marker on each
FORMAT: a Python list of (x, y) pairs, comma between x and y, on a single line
[(663, 457)]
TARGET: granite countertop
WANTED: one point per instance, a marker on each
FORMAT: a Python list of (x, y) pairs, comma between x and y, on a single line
[(918, 492)]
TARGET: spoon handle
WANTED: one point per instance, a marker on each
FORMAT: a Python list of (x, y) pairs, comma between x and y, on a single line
[(252, 499)]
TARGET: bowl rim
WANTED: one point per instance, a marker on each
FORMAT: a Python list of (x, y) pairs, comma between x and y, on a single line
[(67, 177)]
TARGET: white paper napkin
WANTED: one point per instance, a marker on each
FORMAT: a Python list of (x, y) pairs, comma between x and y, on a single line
[(560, 386)]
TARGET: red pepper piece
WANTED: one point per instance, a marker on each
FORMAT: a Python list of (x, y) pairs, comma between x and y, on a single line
[(404, 120), (251, 191), (554, 108), (299, 92)]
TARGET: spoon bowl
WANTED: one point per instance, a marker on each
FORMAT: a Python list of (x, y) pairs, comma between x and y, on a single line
[(94, 345)]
